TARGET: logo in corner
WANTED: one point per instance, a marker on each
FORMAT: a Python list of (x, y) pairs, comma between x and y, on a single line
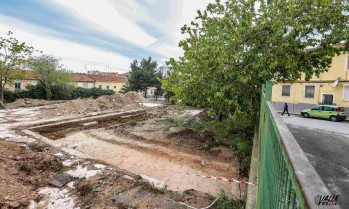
[(326, 199)]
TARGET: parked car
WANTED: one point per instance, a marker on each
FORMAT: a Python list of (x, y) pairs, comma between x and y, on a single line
[(334, 113)]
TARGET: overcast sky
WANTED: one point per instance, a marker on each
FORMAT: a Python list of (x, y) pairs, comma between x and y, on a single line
[(105, 35)]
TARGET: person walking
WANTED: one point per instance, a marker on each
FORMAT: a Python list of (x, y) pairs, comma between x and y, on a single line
[(285, 109)]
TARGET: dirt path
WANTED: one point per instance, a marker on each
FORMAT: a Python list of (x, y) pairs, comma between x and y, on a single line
[(172, 170), (157, 146)]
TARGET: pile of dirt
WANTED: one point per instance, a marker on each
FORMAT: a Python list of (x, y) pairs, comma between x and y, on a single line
[(134, 96), (84, 106), (192, 138), (28, 103), (22, 172)]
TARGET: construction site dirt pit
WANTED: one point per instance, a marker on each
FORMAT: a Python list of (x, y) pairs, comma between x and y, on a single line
[(151, 143), (144, 143)]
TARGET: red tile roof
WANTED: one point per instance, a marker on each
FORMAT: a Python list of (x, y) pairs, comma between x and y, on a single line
[(104, 78), (124, 74), (82, 78)]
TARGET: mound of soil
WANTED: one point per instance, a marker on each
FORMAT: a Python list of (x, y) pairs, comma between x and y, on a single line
[(28, 103), (22, 171), (193, 139), (107, 102), (135, 96)]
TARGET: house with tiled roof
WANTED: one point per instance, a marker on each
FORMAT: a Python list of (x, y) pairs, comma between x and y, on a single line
[(109, 82), (83, 81), (125, 74), (21, 79)]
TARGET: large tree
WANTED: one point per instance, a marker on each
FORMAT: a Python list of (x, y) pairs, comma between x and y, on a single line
[(143, 75), (234, 47), (49, 72), (12, 54)]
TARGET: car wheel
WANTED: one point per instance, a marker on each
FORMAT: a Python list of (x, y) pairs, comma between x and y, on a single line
[(306, 115), (333, 118)]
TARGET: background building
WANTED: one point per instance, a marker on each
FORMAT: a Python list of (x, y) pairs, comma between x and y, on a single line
[(331, 88), (108, 82)]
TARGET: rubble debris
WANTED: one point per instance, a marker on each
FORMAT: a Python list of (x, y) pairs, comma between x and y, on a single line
[(83, 106), (135, 96), (60, 180), (81, 172), (29, 103), (160, 185)]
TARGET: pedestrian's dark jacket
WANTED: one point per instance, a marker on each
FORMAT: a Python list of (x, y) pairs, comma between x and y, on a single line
[(286, 107)]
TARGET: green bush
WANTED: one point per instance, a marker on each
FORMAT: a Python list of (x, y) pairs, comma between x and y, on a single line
[(58, 93), (9, 96), (62, 92), (93, 92), (225, 202)]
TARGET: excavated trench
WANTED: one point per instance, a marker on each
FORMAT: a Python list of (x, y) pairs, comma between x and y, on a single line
[(102, 137)]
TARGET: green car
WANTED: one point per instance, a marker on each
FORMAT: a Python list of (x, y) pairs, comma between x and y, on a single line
[(334, 113)]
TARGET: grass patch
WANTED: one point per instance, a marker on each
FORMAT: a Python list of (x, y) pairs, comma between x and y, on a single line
[(168, 121), (224, 202)]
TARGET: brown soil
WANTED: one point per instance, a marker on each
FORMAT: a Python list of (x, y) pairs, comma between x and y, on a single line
[(102, 103), (148, 145), (134, 96), (22, 172), (29, 103), (155, 144), (193, 139)]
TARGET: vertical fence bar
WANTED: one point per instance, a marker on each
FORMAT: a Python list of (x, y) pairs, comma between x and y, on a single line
[(286, 179)]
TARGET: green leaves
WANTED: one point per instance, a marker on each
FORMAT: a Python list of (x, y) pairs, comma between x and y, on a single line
[(144, 75), (234, 47), (49, 72), (12, 54)]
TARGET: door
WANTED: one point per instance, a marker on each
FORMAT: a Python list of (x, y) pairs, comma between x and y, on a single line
[(327, 99), (315, 112), (328, 111)]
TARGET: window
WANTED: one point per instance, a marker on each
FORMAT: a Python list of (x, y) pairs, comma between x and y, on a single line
[(100, 86), (316, 108), (17, 85), (327, 108), (107, 86), (81, 85), (115, 86), (346, 93), (90, 85), (309, 91), (286, 90)]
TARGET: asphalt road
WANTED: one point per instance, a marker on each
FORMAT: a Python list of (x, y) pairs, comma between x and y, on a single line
[(326, 145)]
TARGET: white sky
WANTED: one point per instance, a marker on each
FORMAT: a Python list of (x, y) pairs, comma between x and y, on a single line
[(115, 18)]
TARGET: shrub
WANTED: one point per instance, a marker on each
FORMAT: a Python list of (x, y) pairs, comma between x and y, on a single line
[(225, 202), (58, 93), (93, 92)]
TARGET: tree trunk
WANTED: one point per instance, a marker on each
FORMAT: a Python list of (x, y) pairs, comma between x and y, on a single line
[(219, 116), (2, 106), (48, 92), (1, 93)]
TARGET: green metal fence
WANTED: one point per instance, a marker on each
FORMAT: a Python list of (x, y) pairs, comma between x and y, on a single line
[(286, 179)]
